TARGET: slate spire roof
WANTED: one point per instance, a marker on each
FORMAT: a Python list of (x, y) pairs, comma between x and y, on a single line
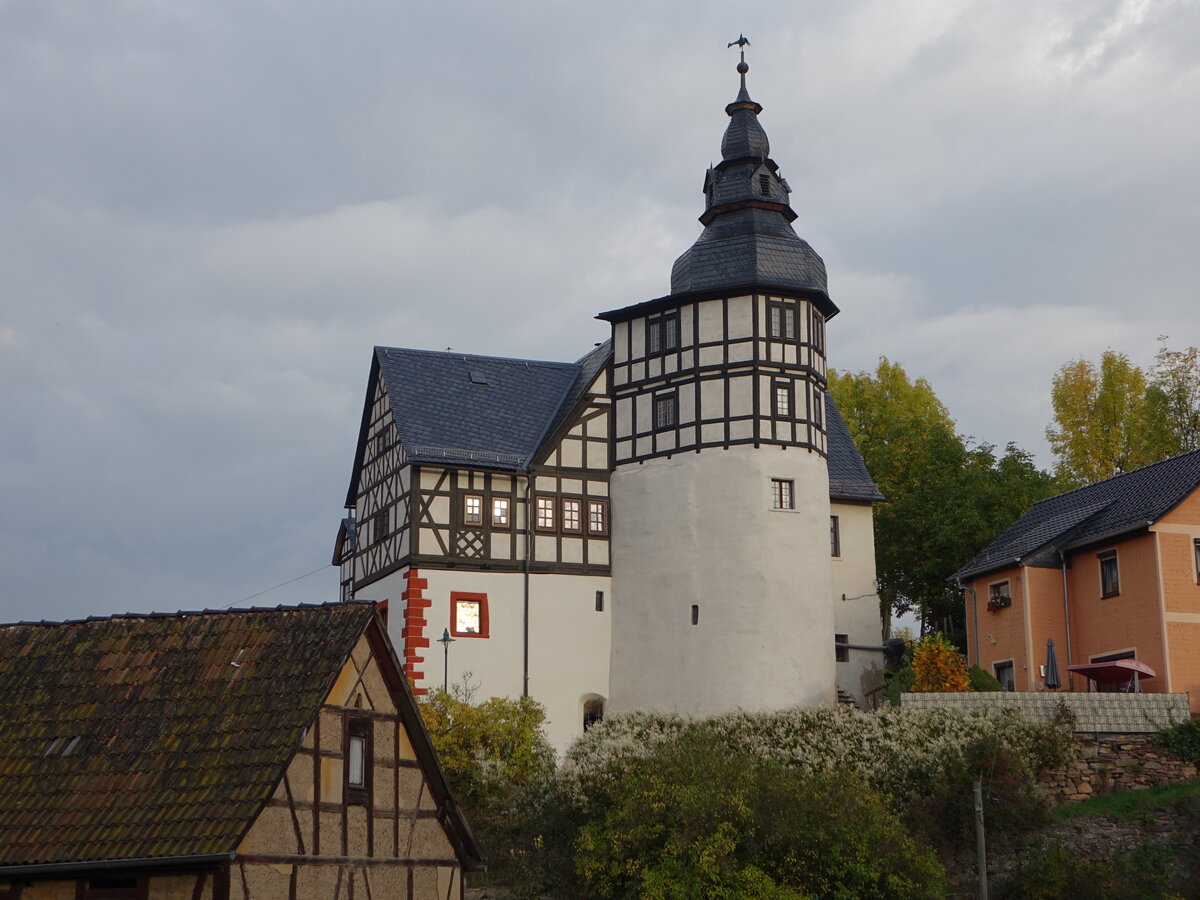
[(1095, 512), (748, 241)]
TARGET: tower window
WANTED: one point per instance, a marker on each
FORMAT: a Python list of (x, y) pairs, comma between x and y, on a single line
[(500, 512), (1110, 582), (782, 493), (841, 653), (783, 400), (764, 185), (835, 537), (664, 411), (599, 601), (468, 614), (662, 334), (695, 614), (781, 321), (818, 406)]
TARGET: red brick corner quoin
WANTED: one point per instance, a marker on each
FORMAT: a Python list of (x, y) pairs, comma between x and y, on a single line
[(412, 635)]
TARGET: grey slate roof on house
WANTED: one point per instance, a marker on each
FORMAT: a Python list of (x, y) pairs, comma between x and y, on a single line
[(485, 410), (1095, 512), (492, 412)]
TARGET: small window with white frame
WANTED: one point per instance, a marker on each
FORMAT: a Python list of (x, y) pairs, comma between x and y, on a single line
[(545, 513), (358, 760), (783, 399), (597, 517), (501, 512), (473, 509), (665, 406), (572, 515), (783, 492)]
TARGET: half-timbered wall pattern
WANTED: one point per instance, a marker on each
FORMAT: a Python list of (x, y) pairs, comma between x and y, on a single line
[(319, 836), (384, 497), (722, 373)]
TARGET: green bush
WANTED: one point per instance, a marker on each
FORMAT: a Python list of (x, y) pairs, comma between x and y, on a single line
[(982, 680), (694, 818), (1052, 873), (1182, 739)]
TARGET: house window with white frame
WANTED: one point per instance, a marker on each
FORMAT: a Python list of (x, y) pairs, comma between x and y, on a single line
[(783, 493), (473, 509), (597, 517), (545, 513), (501, 507), (572, 513)]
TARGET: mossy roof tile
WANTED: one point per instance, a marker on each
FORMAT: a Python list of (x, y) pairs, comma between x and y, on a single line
[(178, 747)]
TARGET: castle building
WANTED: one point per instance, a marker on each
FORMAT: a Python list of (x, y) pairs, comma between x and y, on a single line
[(677, 521)]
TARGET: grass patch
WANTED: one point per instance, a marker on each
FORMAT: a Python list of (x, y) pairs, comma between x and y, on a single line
[(1128, 805)]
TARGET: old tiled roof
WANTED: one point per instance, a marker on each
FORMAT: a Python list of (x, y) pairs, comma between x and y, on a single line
[(134, 737), (1095, 512)]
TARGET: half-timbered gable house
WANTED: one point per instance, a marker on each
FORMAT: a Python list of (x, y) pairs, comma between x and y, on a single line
[(248, 754), (480, 492), (678, 521)]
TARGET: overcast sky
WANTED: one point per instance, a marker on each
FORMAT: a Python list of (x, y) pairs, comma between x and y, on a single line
[(210, 212)]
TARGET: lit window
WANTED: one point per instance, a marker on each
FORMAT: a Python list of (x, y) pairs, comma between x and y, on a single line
[(664, 411), (473, 509), (597, 517), (1110, 583), (358, 761), (781, 321), (783, 400), (500, 511), (468, 614), (571, 515), (835, 537), (545, 513), (782, 493)]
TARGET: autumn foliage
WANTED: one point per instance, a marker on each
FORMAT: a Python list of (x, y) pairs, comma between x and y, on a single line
[(938, 667)]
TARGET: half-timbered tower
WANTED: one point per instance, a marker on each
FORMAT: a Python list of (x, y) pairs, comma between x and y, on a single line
[(722, 577), (480, 488), (679, 520)]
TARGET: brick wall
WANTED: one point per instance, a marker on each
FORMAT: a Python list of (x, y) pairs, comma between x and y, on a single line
[(1094, 713)]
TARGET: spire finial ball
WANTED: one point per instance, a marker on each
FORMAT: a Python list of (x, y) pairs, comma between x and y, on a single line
[(742, 67)]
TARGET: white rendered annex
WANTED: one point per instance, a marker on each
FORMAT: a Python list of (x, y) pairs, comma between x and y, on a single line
[(677, 521)]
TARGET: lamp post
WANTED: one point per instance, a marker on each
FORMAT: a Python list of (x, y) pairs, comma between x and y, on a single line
[(445, 640)]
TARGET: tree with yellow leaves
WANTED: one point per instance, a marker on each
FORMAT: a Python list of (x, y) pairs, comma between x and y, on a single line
[(938, 667)]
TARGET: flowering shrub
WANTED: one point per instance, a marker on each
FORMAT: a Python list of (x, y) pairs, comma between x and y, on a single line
[(938, 667), (898, 752)]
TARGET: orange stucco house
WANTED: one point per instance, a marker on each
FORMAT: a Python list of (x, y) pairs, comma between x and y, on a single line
[(1110, 571)]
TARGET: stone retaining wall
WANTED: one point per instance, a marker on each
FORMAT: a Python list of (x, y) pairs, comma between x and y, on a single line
[(1114, 762), (1094, 713)]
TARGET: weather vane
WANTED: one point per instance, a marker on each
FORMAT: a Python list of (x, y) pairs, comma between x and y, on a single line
[(741, 43)]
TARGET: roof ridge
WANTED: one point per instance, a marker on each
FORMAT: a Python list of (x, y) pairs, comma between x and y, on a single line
[(458, 354), (185, 613), (1093, 484)]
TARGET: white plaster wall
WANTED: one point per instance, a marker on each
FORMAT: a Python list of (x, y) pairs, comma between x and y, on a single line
[(698, 529), (569, 642), (857, 615)]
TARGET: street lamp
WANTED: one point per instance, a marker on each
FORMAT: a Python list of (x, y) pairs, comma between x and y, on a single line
[(445, 640)]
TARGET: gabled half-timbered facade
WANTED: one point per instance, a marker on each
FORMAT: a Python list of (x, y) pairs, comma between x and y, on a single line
[(679, 520)]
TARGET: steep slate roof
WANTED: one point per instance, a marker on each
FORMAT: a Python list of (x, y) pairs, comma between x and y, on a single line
[(1095, 512), (160, 736), (441, 416), (483, 409), (848, 476)]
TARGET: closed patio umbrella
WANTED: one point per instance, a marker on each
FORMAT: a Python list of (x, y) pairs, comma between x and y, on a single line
[(1053, 682)]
